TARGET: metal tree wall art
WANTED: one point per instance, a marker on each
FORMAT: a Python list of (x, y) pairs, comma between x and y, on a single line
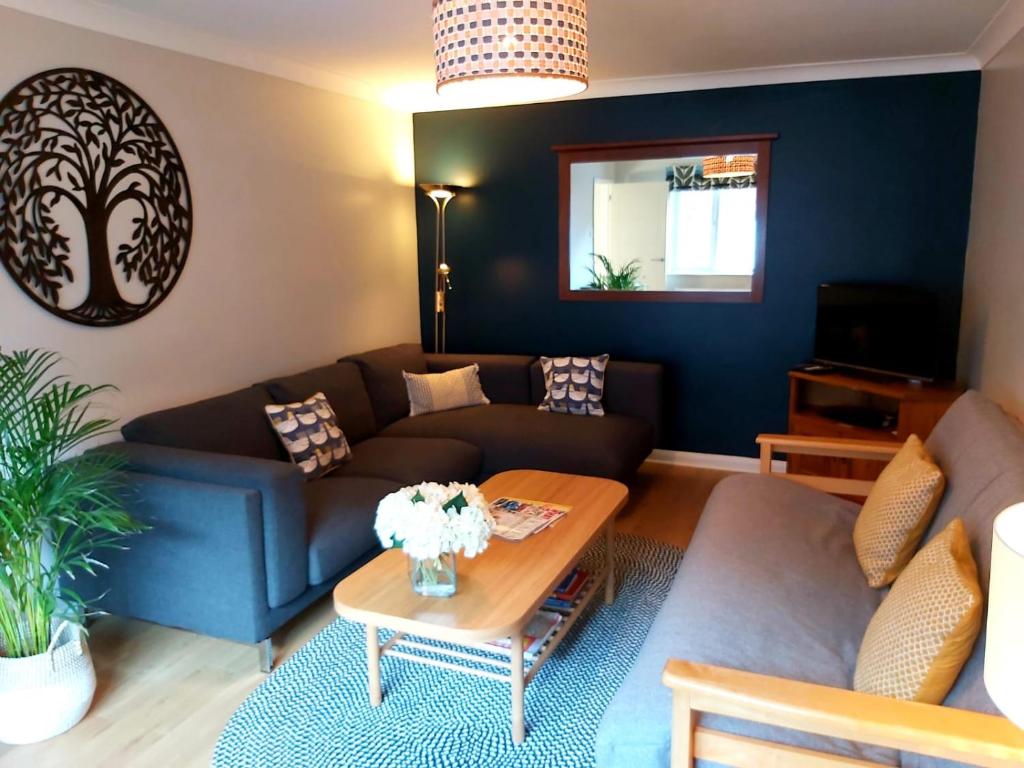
[(95, 208)]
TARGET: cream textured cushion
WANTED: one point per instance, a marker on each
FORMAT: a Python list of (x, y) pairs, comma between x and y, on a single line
[(897, 512), (925, 628), (429, 392)]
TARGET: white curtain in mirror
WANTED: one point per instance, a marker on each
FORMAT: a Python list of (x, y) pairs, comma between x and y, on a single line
[(711, 232)]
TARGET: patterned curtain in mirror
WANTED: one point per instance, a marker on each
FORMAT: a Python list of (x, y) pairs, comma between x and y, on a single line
[(686, 178)]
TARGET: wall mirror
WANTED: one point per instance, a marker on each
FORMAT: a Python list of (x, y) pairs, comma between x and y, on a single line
[(678, 220)]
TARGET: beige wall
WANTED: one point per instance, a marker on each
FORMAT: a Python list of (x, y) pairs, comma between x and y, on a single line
[(304, 237), (992, 333)]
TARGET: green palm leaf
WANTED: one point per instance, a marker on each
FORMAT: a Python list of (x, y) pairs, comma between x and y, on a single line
[(626, 278), (58, 507)]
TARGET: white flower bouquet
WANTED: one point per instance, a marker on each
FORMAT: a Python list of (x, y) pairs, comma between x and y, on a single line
[(431, 523)]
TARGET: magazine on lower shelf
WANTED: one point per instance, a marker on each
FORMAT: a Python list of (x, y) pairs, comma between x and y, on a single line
[(516, 519), (565, 594), (535, 634)]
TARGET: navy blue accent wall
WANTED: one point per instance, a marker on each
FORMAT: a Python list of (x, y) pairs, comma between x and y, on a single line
[(871, 181)]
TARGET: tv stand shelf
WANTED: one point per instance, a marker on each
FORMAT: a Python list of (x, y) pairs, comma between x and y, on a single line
[(861, 407)]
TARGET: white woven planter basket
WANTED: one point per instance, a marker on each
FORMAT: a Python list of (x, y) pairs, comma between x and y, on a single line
[(43, 696)]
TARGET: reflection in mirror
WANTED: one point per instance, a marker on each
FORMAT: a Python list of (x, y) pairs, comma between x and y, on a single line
[(660, 225), (666, 224)]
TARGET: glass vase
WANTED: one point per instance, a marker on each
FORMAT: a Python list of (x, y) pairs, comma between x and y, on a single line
[(434, 577)]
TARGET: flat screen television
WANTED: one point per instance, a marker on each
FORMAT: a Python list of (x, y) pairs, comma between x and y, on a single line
[(887, 329)]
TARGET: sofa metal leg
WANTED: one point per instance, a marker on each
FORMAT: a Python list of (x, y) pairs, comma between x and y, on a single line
[(266, 649)]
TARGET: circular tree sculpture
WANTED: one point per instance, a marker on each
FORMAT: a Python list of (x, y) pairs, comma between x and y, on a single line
[(78, 151)]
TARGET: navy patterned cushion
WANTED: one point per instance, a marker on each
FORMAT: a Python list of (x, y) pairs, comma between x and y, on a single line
[(310, 434), (574, 385)]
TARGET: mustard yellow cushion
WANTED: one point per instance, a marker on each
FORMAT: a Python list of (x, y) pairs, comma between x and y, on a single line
[(925, 628), (897, 512)]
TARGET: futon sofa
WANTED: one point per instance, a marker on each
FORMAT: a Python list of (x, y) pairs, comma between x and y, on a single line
[(770, 585), (240, 542)]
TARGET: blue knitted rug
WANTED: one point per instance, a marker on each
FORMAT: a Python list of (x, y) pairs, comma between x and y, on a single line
[(313, 712)]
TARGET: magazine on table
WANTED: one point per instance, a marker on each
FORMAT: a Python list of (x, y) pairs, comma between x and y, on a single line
[(517, 519)]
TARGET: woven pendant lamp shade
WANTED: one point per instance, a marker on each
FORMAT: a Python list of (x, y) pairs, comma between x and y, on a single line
[(729, 166), (510, 50)]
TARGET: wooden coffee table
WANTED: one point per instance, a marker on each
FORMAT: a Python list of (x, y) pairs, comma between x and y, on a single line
[(498, 593)]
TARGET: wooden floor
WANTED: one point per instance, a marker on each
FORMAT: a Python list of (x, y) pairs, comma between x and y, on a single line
[(164, 695)]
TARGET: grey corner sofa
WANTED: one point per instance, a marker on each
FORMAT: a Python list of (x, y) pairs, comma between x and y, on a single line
[(770, 584), (240, 542)]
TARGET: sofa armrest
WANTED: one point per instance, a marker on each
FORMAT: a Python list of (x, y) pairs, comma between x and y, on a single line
[(635, 389), (935, 731), (282, 496), (872, 450), (877, 450), (199, 566)]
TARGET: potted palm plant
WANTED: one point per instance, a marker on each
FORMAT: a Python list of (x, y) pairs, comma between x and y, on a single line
[(58, 508)]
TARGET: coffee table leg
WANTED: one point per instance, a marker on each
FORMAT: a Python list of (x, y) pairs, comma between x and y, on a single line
[(609, 585), (373, 665), (518, 690)]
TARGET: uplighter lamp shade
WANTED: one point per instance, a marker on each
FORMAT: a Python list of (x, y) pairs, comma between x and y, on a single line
[(1004, 648), (493, 51), (729, 166)]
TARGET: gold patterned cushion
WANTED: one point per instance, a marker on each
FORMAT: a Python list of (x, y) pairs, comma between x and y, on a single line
[(458, 388), (897, 512), (925, 628)]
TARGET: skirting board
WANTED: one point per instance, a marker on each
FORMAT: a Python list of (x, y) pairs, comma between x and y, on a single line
[(712, 461)]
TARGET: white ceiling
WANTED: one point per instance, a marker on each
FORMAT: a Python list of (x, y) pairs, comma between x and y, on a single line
[(381, 49)]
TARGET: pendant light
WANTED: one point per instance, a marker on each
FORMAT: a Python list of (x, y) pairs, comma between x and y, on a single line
[(729, 166), (502, 51)]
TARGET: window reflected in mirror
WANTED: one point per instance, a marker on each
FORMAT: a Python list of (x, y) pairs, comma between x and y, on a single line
[(668, 227)]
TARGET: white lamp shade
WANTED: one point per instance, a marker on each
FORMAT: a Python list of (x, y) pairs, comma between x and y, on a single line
[(1004, 649)]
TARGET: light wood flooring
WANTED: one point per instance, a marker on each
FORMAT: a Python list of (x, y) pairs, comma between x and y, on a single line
[(164, 695)]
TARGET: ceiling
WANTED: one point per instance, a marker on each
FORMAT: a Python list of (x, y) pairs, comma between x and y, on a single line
[(381, 49)]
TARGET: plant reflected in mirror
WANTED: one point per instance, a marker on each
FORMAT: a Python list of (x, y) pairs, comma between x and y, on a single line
[(625, 278)]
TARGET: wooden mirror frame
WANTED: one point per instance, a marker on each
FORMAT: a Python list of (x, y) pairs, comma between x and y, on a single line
[(748, 144)]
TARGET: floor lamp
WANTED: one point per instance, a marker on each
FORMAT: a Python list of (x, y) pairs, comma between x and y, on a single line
[(1004, 646), (441, 194)]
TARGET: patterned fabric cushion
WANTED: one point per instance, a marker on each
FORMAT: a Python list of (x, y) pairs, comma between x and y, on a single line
[(310, 434), (429, 392), (574, 385), (925, 628), (896, 513)]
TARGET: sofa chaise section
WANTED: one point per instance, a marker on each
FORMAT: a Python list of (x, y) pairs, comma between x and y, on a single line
[(515, 436), (411, 460), (510, 432)]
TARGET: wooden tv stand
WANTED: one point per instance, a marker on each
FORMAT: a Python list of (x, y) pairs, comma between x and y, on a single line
[(860, 407)]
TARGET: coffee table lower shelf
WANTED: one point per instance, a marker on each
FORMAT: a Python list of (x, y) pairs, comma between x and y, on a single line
[(515, 667)]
